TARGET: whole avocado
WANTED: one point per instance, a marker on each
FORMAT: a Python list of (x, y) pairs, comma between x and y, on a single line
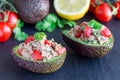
[(32, 11)]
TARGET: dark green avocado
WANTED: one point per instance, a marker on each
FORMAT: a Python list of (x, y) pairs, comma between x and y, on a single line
[(32, 11), (85, 49), (43, 67)]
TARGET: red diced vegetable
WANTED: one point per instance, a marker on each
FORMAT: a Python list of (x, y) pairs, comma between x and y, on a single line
[(61, 50), (30, 38), (46, 42), (106, 32), (87, 32), (78, 33), (37, 55), (19, 52)]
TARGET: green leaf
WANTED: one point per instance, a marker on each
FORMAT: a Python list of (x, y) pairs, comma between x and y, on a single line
[(39, 35), (70, 23), (51, 21), (39, 26), (46, 25), (21, 36), (51, 18), (18, 34), (94, 24), (20, 24), (60, 25), (51, 27)]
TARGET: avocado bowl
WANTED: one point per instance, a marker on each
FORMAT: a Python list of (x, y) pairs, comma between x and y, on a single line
[(85, 47), (40, 63)]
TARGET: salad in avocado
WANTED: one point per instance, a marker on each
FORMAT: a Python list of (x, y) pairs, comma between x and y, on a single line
[(38, 54), (37, 47), (90, 39), (91, 32)]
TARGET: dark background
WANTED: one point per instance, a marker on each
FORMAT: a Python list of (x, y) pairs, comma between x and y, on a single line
[(74, 68)]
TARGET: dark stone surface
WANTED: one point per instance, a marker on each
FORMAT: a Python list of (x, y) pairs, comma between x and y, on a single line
[(74, 68)]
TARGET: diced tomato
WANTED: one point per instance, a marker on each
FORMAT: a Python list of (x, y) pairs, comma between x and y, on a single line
[(78, 33), (36, 55), (106, 32), (30, 38), (87, 32), (61, 50), (19, 52), (47, 42)]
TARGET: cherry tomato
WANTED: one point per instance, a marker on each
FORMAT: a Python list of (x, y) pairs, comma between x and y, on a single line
[(94, 4), (106, 32), (117, 5), (103, 12), (12, 18), (87, 32), (5, 31)]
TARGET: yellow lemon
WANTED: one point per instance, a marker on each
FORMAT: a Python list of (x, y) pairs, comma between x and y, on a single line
[(71, 9)]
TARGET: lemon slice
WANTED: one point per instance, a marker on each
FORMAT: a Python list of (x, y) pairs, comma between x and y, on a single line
[(71, 9)]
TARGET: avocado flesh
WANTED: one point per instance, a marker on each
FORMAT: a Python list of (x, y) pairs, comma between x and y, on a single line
[(85, 49), (32, 11), (43, 67)]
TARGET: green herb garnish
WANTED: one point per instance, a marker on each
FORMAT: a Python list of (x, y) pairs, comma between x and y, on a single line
[(94, 24), (18, 33), (39, 35), (51, 21)]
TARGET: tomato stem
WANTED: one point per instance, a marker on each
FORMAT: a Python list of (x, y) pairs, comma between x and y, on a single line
[(5, 2), (116, 0), (114, 10), (5, 15)]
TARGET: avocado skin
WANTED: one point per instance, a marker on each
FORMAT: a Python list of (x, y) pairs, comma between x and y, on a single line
[(39, 67), (87, 50), (32, 11)]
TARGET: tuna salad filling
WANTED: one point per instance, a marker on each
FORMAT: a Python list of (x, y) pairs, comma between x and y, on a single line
[(91, 32), (37, 47)]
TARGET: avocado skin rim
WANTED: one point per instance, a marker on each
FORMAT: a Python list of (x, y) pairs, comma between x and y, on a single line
[(87, 50), (42, 67)]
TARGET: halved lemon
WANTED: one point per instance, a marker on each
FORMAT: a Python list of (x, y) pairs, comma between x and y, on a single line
[(71, 9)]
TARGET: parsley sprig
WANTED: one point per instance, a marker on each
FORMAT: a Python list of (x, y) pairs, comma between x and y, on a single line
[(51, 21)]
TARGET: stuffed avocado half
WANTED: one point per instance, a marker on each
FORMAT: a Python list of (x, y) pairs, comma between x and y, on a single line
[(90, 39), (39, 55)]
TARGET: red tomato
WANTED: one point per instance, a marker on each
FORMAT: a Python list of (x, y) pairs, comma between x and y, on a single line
[(12, 18), (103, 12), (36, 55), (106, 32), (78, 33), (94, 4), (19, 51), (87, 32), (117, 5), (5, 31), (61, 50), (30, 38)]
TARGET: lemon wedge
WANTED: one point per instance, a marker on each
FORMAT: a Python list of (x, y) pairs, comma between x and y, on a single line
[(71, 9)]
